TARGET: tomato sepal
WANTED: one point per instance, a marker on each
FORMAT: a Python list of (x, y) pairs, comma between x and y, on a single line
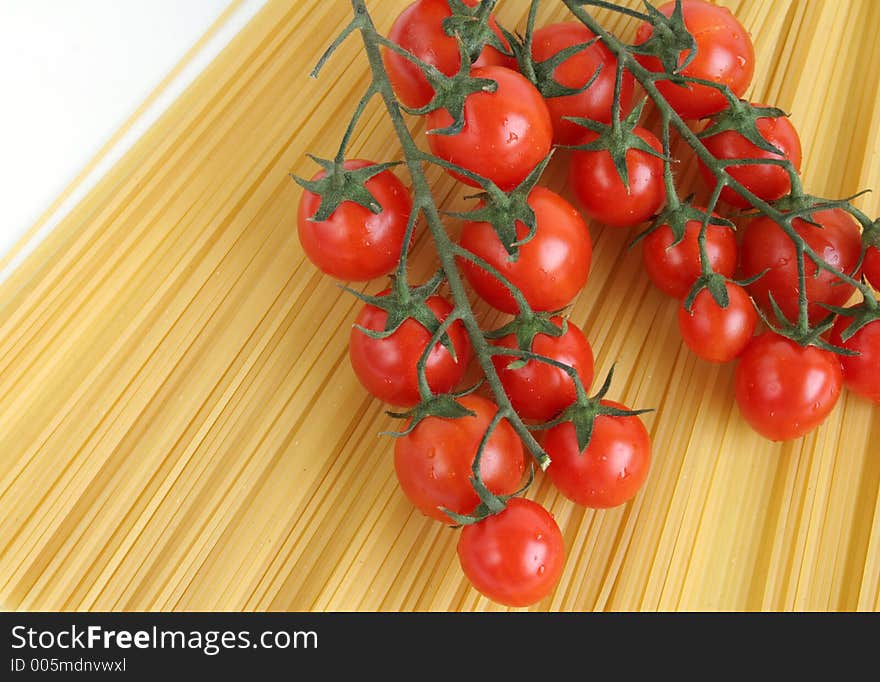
[(525, 327), (502, 210), (583, 412), (742, 117), (677, 215), (490, 503), (617, 138), (470, 25), (403, 302), (445, 406), (803, 335), (340, 184), (668, 40), (862, 314)]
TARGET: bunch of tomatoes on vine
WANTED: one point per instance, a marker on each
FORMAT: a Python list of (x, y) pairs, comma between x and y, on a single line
[(497, 105)]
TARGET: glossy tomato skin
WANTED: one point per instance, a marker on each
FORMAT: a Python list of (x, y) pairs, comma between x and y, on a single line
[(515, 557), (506, 133), (861, 373), (538, 391), (785, 390), (594, 102), (551, 268), (871, 266), (612, 468), (419, 29), (433, 462), (725, 55), (354, 243), (767, 182), (387, 367), (718, 334), (766, 247), (674, 269), (597, 184)]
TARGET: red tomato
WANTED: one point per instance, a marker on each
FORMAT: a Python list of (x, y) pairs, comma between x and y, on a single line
[(540, 391), (596, 183), (766, 246), (433, 462), (725, 55), (718, 334), (550, 269), (785, 390), (861, 373), (675, 269), (506, 133), (610, 470), (871, 266), (594, 102), (419, 29), (515, 557), (767, 182), (354, 243), (387, 367)]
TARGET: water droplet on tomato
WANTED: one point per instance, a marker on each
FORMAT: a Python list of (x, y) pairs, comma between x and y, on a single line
[(541, 569)]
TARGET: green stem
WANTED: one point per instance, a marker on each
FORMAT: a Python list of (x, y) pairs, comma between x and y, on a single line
[(443, 244)]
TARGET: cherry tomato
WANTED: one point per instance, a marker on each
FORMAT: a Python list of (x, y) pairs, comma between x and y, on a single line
[(597, 184), (594, 102), (433, 462), (675, 269), (550, 269), (540, 391), (514, 557), (785, 390), (610, 470), (387, 367), (506, 133), (354, 243), (419, 29), (725, 55), (766, 181), (861, 373), (871, 266), (718, 334), (766, 247)]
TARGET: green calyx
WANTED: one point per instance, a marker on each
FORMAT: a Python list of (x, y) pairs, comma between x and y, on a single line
[(583, 412), (525, 327), (340, 185), (669, 38), (677, 215), (444, 406), (617, 139), (541, 74), (403, 303), (742, 117), (800, 331), (862, 314), (503, 210), (471, 26)]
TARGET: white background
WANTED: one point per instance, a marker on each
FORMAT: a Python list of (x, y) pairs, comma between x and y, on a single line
[(71, 72)]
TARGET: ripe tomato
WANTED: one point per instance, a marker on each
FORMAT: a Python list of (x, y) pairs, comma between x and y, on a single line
[(433, 462), (594, 102), (419, 29), (610, 470), (861, 373), (766, 181), (674, 269), (354, 243), (506, 133), (766, 247), (514, 557), (550, 269), (725, 55), (540, 391), (718, 334), (871, 266), (597, 184), (387, 367), (785, 390)]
